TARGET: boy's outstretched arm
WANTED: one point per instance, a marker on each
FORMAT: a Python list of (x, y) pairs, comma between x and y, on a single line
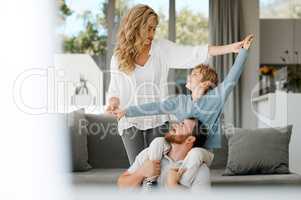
[(226, 87), (222, 91), (168, 106)]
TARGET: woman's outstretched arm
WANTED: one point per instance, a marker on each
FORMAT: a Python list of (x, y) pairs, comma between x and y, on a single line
[(187, 56), (224, 49)]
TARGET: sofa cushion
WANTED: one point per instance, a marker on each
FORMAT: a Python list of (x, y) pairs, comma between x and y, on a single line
[(105, 146), (217, 178), (78, 138), (258, 151)]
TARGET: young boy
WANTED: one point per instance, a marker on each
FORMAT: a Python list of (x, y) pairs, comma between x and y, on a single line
[(206, 108)]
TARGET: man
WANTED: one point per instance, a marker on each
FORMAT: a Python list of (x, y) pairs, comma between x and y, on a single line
[(182, 138)]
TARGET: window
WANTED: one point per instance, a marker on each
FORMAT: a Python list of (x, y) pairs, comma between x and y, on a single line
[(192, 22), (83, 26), (280, 8), (191, 29)]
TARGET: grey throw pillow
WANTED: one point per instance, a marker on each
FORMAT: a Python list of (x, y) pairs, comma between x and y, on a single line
[(78, 139), (258, 151)]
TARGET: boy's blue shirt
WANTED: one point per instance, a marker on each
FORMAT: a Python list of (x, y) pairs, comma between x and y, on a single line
[(207, 109)]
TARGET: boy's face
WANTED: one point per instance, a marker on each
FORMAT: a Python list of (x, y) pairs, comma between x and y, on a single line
[(194, 79)]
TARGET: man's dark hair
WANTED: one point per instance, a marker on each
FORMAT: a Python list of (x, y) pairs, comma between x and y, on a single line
[(200, 132)]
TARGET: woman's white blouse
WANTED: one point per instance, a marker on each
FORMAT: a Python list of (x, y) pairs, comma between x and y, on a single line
[(148, 83)]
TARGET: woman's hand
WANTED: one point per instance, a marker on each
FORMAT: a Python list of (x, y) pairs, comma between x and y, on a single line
[(225, 49), (173, 177), (113, 105), (236, 46), (248, 41)]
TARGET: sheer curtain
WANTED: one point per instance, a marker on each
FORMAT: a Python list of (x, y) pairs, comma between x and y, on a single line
[(224, 20)]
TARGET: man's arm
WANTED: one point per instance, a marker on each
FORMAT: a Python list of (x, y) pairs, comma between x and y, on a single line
[(128, 180), (139, 170), (173, 178)]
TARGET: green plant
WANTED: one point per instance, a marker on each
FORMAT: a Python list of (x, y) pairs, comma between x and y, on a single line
[(89, 40), (64, 10)]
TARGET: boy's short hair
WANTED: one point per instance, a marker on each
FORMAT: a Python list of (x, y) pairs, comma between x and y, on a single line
[(209, 74), (200, 132)]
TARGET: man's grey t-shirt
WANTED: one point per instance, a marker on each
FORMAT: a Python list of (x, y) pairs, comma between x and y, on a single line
[(202, 179)]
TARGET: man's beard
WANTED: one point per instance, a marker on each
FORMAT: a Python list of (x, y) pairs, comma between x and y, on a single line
[(177, 139)]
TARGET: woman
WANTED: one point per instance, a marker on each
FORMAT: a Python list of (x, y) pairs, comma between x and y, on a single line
[(139, 70)]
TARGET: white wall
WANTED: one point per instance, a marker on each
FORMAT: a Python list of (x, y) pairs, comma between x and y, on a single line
[(293, 114), (249, 24), (278, 110), (68, 69)]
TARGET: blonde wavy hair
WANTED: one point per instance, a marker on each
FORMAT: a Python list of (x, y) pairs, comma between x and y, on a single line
[(131, 36)]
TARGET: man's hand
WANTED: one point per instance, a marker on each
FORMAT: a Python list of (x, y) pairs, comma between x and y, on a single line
[(248, 41), (173, 177), (150, 168)]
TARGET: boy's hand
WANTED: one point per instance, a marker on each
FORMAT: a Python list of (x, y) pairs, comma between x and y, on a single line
[(113, 105), (118, 113), (206, 85), (248, 41), (203, 88)]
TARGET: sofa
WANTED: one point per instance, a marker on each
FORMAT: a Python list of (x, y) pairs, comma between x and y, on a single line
[(107, 156)]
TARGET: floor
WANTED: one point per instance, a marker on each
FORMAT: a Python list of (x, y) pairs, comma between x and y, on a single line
[(101, 184), (108, 177), (103, 176)]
